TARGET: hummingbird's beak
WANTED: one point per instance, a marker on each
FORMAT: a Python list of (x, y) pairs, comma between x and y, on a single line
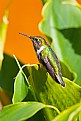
[(32, 38)]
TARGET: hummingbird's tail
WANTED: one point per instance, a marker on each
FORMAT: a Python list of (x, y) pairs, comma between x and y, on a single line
[(63, 83), (60, 80)]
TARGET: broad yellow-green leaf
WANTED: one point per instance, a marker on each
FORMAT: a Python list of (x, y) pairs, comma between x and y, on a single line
[(3, 30), (22, 111), (71, 114), (49, 92), (62, 23)]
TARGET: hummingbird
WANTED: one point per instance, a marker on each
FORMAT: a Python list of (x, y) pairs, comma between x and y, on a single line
[(47, 58)]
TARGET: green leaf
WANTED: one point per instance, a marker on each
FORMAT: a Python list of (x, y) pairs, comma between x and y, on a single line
[(66, 54), (20, 88), (21, 111), (73, 35), (70, 114), (64, 27), (6, 82), (67, 72), (21, 85), (3, 31), (55, 11), (49, 92)]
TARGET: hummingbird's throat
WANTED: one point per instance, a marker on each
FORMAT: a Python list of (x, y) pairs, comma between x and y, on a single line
[(41, 49)]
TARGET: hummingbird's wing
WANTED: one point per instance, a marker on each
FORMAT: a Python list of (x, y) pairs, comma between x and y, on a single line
[(52, 64), (49, 68)]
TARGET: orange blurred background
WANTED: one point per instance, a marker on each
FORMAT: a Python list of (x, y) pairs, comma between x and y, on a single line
[(24, 16), (79, 1)]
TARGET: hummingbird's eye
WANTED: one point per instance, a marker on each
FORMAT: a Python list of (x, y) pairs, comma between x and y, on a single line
[(36, 39)]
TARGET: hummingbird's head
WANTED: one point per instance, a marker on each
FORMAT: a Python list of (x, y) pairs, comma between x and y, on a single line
[(38, 41)]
